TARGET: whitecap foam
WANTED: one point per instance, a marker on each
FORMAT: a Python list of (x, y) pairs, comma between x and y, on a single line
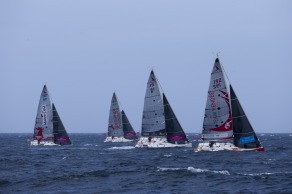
[(194, 170), (168, 169), (167, 155), (122, 148), (265, 173)]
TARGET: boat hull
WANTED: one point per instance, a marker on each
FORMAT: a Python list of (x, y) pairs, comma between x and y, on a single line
[(117, 139), (158, 142), (205, 146), (42, 143)]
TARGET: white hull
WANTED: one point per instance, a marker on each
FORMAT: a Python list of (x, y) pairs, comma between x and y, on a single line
[(158, 142), (117, 139), (42, 143), (223, 146)]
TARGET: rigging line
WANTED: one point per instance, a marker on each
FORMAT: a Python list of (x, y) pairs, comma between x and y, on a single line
[(158, 83), (225, 73), (119, 102), (50, 96)]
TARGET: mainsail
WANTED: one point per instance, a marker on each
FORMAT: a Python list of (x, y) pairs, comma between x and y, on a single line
[(174, 131), (129, 132), (244, 135), (217, 123), (60, 134), (115, 126), (43, 129), (153, 120)]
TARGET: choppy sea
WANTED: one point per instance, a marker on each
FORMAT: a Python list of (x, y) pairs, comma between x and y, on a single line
[(91, 166)]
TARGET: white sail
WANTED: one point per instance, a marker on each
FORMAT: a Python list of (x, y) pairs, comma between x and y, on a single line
[(115, 125), (217, 123), (153, 120), (160, 127), (43, 129)]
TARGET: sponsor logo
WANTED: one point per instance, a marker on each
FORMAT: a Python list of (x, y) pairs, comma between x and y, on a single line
[(62, 139), (227, 125), (130, 134), (44, 114), (221, 135), (217, 68), (39, 136), (245, 140), (117, 118), (213, 101), (177, 137)]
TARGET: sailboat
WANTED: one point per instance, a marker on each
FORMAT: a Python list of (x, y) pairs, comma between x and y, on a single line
[(119, 127), (49, 129), (225, 126), (160, 126)]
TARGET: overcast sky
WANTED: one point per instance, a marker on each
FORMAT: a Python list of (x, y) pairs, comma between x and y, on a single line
[(85, 50)]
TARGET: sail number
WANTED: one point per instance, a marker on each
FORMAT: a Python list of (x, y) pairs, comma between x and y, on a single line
[(217, 83), (152, 87)]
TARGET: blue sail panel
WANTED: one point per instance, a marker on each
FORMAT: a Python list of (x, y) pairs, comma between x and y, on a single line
[(245, 140)]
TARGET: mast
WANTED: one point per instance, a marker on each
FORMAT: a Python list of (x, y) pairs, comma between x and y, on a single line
[(217, 124), (153, 120), (60, 134), (115, 126), (244, 135), (174, 131), (43, 129)]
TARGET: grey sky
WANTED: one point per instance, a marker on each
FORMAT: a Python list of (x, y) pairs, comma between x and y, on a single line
[(85, 50)]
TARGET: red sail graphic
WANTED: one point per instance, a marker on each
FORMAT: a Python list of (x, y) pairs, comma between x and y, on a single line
[(227, 125)]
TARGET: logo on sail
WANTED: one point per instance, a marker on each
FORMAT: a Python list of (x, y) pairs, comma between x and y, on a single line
[(62, 139), (44, 114), (245, 140), (177, 137), (130, 134), (39, 136), (226, 126), (117, 119), (217, 68)]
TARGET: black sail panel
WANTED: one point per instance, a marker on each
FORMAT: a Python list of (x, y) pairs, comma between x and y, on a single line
[(129, 132), (60, 134), (244, 135), (174, 131)]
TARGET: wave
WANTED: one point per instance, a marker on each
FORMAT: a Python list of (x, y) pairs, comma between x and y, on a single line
[(88, 144), (122, 148), (265, 173), (4, 182), (194, 170)]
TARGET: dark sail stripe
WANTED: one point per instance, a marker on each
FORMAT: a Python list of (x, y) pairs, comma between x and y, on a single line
[(174, 131), (244, 135), (60, 134)]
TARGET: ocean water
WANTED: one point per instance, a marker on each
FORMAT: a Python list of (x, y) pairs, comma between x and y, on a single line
[(91, 166)]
